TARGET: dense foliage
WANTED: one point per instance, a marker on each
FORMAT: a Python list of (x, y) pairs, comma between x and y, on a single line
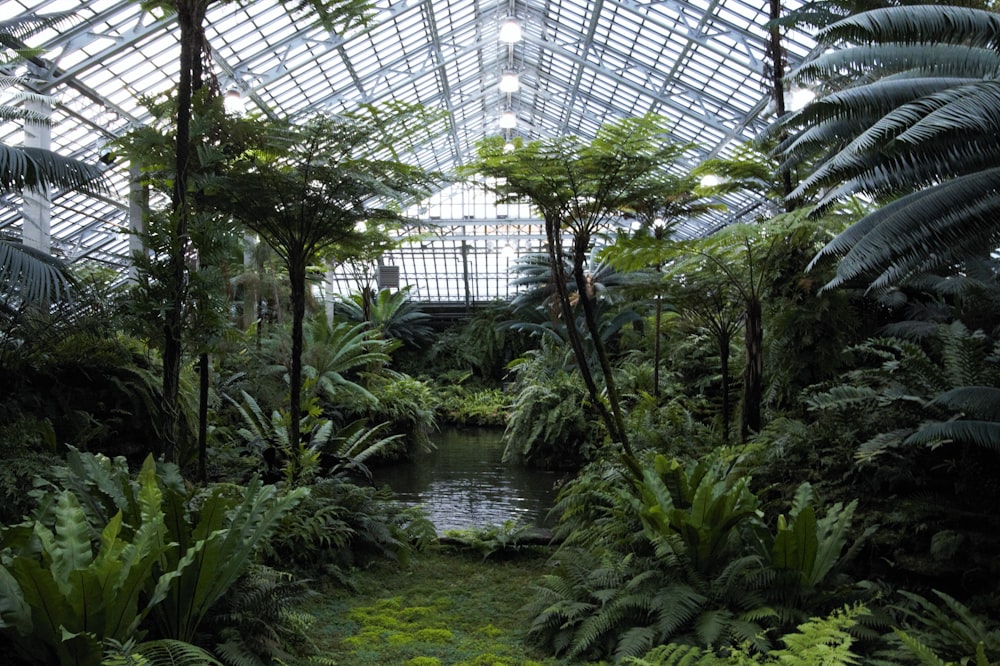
[(768, 458)]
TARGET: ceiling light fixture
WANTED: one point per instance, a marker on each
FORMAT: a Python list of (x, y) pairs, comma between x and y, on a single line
[(510, 82), (233, 101), (508, 120), (510, 30)]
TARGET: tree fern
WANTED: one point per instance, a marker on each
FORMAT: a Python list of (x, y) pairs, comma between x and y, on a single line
[(163, 652), (817, 642), (255, 623), (946, 627)]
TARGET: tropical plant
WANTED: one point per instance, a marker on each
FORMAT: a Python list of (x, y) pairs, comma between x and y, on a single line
[(817, 642), (392, 315), (96, 387), (912, 382), (741, 258), (408, 407), (336, 353), (909, 113), (470, 404), (579, 188), (29, 275), (332, 15), (331, 169), (684, 555), (26, 167), (478, 348), (28, 448), (946, 629), (208, 538), (152, 653), (341, 526), (548, 425), (257, 623), (332, 450), (71, 599)]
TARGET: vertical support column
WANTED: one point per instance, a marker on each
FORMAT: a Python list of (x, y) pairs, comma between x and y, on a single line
[(37, 210), (328, 296), (251, 295), (138, 204), (465, 276)]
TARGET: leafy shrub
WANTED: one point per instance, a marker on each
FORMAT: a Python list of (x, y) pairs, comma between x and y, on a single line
[(341, 525), (27, 448), (255, 623), (684, 555), (163, 557), (819, 641), (406, 404), (548, 426), (946, 629), (66, 603), (392, 314), (472, 406)]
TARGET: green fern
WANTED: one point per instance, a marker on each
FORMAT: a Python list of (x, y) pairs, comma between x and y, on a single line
[(163, 652), (548, 426), (817, 642), (947, 627), (256, 623)]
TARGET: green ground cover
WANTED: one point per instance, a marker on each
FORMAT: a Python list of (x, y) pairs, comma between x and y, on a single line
[(445, 608)]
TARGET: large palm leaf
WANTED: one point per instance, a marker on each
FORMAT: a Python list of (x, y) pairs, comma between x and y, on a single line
[(30, 276), (36, 168), (917, 119)]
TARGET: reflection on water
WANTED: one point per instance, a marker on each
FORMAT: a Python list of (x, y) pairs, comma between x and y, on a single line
[(463, 483)]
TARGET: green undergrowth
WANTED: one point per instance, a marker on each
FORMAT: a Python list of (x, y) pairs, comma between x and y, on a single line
[(446, 608)]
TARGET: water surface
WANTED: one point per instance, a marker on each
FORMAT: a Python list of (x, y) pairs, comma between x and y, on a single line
[(464, 484)]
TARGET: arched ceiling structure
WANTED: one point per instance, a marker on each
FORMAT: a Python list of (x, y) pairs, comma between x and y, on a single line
[(580, 63)]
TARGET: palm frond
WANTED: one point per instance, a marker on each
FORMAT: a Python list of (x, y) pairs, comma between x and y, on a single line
[(979, 401), (28, 275), (981, 433), (927, 24), (889, 243), (35, 169)]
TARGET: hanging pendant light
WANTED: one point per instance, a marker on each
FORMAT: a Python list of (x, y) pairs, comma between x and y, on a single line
[(510, 30), (508, 120), (510, 82)]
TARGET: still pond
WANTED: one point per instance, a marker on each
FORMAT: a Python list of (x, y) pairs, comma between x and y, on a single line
[(464, 484)]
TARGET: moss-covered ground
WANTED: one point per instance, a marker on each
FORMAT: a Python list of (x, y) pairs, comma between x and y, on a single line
[(444, 608)]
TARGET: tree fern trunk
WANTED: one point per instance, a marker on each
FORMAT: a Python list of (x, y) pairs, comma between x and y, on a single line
[(553, 232), (753, 372), (777, 53), (297, 278), (656, 347), (173, 315), (203, 377), (617, 421), (724, 368)]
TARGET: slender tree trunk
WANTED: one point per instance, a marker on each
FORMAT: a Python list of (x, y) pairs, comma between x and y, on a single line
[(753, 372), (203, 377), (173, 315), (553, 232), (590, 317), (724, 339), (656, 348), (777, 53), (297, 279)]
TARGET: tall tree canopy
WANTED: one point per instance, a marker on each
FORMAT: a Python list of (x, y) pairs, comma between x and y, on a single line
[(580, 188), (306, 190)]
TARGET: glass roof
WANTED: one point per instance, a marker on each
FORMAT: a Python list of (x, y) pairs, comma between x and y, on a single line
[(580, 63)]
